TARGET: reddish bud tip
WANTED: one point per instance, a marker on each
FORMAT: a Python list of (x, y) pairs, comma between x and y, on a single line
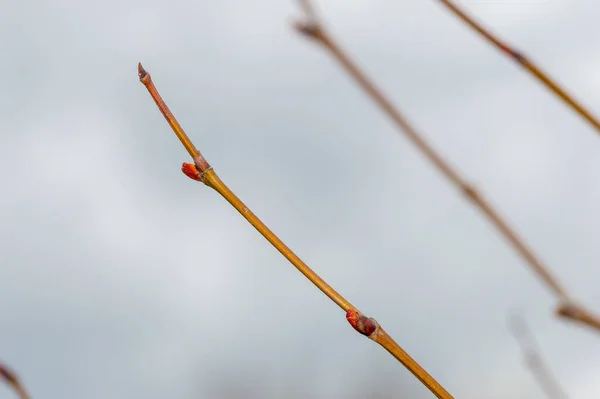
[(190, 171), (360, 322), (141, 71)]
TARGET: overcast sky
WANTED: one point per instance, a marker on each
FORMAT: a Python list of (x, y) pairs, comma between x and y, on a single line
[(122, 278)]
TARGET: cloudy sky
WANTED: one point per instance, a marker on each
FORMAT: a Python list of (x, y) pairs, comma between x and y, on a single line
[(122, 278)]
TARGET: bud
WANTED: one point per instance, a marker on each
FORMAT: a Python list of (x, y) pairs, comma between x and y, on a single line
[(190, 171), (361, 323)]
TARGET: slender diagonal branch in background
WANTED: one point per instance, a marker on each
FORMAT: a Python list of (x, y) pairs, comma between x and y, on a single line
[(525, 62), (312, 28), (534, 360), (578, 314), (11, 378), (202, 171)]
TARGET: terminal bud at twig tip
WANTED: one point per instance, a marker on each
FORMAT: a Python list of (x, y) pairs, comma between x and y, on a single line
[(360, 322), (142, 73), (190, 171)]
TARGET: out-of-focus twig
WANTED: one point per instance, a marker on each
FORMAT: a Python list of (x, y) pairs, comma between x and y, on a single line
[(11, 378), (312, 28), (315, 30), (579, 314), (203, 172), (525, 62), (533, 359)]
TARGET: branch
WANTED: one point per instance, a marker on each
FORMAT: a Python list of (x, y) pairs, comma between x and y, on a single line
[(525, 62), (202, 171), (11, 378), (313, 29), (317, 32)]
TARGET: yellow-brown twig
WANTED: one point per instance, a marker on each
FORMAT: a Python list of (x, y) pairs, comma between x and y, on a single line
[(534, 360), (525, 62), (10, 377), (202, 171), (314, 29)]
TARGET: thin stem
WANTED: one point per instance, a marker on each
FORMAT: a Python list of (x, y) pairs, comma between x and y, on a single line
[(534, 360), (313, 29), (11, 378), (383, 339), (202, 171), (216, 183), (525, 62), (318, 33), (146, 79), (209, 177)]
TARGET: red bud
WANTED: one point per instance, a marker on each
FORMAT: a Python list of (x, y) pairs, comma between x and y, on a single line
[(190, 171), (360, 322)]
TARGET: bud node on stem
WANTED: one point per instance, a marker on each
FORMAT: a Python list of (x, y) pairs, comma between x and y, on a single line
[(311, 29), (190, 171), (361, 323)]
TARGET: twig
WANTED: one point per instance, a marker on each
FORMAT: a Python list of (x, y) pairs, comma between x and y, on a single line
[(317, 32), (525, 62), (10, 377), (577, 313), (534, 360), (202, 171), (313, 29)]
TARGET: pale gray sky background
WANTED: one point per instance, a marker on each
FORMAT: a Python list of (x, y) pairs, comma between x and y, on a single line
[(121, 278)]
